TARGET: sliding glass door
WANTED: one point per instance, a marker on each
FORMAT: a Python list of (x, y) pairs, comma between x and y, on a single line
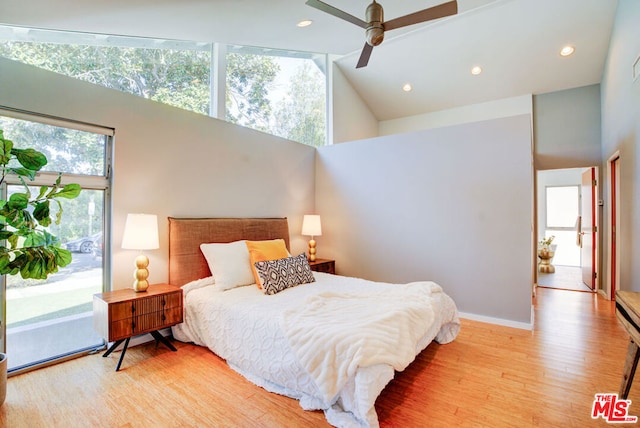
[(45, 320)]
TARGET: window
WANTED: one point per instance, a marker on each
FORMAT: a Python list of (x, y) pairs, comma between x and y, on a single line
[(40, 314), (563, 206), (279, 92), (172, 72)]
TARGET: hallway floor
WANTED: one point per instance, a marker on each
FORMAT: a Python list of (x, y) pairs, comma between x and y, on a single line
[(565, 278)]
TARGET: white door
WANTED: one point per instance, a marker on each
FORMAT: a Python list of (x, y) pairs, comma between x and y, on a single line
[(588, 227)]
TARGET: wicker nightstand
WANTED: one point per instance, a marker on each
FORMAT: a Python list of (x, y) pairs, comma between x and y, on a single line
[(121, 314)]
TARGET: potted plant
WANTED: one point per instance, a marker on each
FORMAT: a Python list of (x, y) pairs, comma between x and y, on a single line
[(26, 246), (546, 251)]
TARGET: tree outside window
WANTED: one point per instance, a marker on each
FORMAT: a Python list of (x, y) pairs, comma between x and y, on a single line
[(278, 92)]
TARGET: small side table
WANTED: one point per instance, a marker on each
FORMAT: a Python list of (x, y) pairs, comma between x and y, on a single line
[(323, 265), (628, 313), (121, 314)]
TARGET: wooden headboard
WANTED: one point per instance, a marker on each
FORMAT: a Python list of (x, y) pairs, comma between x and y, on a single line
[(186, 262)]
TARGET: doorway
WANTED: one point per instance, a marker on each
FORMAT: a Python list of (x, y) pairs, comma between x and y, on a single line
[(562, 201)]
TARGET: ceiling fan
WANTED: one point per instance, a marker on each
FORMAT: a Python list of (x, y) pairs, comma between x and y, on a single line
[(375, 24)]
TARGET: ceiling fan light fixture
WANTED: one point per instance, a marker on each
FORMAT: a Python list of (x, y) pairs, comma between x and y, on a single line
[(407, 87), (567, 50), (375, 36), (475, 70), (304, 23)]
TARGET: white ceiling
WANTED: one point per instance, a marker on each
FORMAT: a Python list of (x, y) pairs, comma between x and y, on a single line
[(516, 42)]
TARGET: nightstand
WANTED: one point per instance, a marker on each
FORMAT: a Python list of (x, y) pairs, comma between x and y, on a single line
[(323, 265), (119, 315)]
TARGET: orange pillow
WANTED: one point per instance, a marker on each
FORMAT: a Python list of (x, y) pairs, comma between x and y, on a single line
[(261, 251)]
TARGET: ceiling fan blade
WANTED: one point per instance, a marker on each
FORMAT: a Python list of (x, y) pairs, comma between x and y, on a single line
[(364, 56), (440, 11), (336, 12)]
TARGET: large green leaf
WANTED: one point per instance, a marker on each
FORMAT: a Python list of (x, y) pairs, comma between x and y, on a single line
[(69, 191), (41, 213), (18, 201), (23, 172), (30, 158), (5, 234), (34, 239), (35, 268), (20, 219), (5, 150), (13, 240), (4, 262), (63, 257)]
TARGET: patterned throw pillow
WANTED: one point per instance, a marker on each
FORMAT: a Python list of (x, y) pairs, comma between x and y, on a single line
[(259, 251), (278, 275)]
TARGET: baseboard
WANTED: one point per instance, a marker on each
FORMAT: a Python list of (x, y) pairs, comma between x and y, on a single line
[(498, 321)]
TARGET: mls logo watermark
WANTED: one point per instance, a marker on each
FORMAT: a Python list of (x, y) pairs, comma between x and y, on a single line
[(612, 410)]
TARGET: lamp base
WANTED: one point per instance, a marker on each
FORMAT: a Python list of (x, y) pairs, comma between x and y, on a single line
[(141, 274), (139, 286), (312, 250)]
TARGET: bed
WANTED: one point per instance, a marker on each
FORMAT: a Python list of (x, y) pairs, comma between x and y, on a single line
[(331, 342)]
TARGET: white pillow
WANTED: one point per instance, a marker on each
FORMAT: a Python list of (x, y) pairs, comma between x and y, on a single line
[(229, 264)]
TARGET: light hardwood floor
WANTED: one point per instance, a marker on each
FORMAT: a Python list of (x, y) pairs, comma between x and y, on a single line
[(490, 376)]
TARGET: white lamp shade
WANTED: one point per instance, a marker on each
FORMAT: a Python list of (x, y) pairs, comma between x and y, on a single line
[(311, 225), (141, 232)]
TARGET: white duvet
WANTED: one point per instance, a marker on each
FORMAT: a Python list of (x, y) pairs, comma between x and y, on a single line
[(332, 344)]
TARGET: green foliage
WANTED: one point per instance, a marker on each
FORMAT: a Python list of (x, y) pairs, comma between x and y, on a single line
[(72, 152), (249, 78), (27, 248), (181, 78), (176, 77), (301, 115)]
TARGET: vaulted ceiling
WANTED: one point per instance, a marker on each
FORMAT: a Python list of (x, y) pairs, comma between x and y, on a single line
[(516, 42)]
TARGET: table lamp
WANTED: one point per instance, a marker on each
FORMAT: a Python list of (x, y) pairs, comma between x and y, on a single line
[(141, 233), (311, 227)]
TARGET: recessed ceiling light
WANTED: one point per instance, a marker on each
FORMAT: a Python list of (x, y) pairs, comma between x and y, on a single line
[(476, 70), (304, 23), (407, 87), (567, 50)]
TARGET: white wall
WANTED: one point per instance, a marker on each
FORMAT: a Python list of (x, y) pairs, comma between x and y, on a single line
[(567, 129), (472, 113), (171, 162), (453, 205), (352, 119), (621, 134)]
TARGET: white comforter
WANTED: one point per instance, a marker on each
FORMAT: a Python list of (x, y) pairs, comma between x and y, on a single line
[(295, 342)]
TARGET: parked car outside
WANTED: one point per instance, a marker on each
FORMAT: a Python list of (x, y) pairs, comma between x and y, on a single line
[(98, 245), (83, 245)]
